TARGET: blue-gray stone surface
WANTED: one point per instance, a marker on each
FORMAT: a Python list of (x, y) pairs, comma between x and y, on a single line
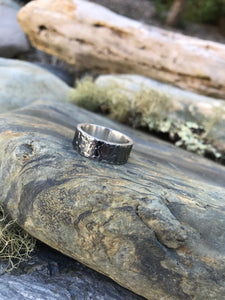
[(49, 275), (12, 39), (22, 83)]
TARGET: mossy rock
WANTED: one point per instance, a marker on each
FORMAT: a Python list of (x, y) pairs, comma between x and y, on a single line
[(193, 122)]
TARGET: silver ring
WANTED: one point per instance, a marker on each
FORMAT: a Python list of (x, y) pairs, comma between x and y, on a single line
[(102, 143)]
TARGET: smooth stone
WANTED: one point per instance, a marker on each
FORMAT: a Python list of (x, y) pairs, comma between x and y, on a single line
[(22, 83), (13, 40), (154, 225)]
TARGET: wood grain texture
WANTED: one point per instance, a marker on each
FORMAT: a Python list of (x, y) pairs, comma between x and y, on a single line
[(89, 36), (155, 225)]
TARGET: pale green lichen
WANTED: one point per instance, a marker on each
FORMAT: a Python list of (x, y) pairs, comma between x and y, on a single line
[(118, 103), (191, 138), (101, 99), (145, 108), (16, 245)]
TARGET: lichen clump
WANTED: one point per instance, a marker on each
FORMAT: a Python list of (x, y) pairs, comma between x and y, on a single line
[(144, 109), (119, 103), (16, 245)]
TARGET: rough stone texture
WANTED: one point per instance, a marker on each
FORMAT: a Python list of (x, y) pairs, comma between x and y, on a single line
[(50, 275), (185, 105), (154, 225), (89, 36), (22, 83), (13, 40)]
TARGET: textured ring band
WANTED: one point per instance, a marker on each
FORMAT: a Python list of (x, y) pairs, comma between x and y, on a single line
[(102, 143)]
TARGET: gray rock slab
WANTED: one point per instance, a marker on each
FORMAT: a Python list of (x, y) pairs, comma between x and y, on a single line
[(22, 83), (154, 225), (49, 275), (13, 41)]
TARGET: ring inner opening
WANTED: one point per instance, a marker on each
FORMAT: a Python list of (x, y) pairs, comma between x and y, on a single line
[(105, 134)]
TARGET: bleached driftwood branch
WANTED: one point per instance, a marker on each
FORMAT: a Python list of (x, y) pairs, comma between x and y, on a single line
[(90, 36)]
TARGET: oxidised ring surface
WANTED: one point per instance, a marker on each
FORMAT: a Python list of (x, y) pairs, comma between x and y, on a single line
[(102, 143)]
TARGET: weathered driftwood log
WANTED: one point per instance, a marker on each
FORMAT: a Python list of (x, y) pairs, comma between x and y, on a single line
[(89, 36), (155, 225)]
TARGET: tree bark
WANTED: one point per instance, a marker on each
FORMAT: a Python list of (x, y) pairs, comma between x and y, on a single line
[(155, 225), (89, 36), (175, 12)]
